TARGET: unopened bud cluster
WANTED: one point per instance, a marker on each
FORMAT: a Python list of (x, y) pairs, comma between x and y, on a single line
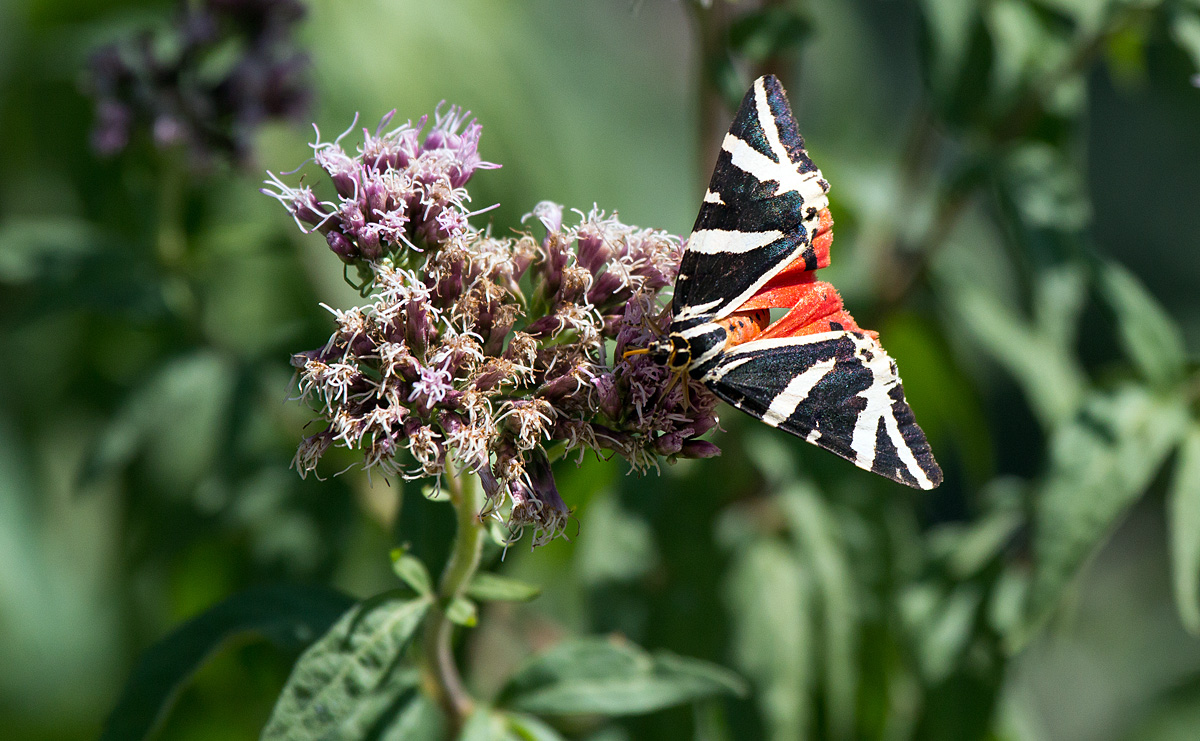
[(486, 355), (204, 81)]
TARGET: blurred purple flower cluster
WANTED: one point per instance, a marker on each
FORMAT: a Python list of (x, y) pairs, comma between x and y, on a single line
[(206, 81), (481, 354)]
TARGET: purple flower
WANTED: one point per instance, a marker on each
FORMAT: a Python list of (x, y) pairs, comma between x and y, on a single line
[(398, 194), (431, 387), (462, 149), (455, 358), (536, 503)]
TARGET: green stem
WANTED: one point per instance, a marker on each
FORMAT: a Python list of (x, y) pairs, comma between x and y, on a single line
[(170, 241), (447, 684), (711, 25)]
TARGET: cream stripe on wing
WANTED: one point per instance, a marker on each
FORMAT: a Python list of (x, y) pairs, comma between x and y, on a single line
[(767, 121), (785, 402), (904, 452), (879, 406), (725, 241), (691, 312), (748, 159)]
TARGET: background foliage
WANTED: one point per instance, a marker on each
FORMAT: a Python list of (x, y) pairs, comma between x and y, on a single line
[(1013, 183)]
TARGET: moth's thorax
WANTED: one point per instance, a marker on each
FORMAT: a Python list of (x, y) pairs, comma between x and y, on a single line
[(693, 345)]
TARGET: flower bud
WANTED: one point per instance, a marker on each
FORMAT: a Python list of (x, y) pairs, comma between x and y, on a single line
[(430, 388), (575, 283), (310, 451), (605, 288), (419, 329), (114, 122), (557, 390), (593, 252), (502, 323), (606, 395), (668, 444), (369, 244), (536, 502), (342, 170), (450, 277), (547, 326), (341, 246), (699, 449), (523, 255)]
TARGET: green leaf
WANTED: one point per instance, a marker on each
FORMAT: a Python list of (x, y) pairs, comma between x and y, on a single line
[(627, 552), (485, 725), (412, 572), (531, 728), (593, 675), (942, 625), (767, 593), (1183, 505), (982, 543), (967, 549), (176, 419), (1185, 27), (818, 538), (948, 26), (345, 682), (1007, 601), (765, 33), (462, 611), (1047, 187), (292, 616), (1036, 354), (1150, 337), (32, 249), (1032, 46), (1099, 464), (488, 587), (417, 720), (1088, 16), (1174, 715)]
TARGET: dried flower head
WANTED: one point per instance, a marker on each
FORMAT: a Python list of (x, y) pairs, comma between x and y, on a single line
[(182, 85), (482, 354)]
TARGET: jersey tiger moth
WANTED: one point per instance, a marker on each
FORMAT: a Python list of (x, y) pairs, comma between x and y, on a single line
[(763, 231)]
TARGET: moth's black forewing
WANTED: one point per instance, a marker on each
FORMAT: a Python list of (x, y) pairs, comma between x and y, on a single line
[(748, 199)]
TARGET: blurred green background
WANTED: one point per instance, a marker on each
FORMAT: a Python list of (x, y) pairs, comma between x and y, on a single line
[(992, 164)]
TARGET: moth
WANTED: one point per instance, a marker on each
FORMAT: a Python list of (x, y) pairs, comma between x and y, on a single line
[(763, 231)]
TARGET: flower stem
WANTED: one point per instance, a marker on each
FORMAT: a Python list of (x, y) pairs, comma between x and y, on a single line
[(467, 498), (170, 240)]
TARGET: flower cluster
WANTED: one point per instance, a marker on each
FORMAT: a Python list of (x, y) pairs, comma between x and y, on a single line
[(483, 354), (181, 83)]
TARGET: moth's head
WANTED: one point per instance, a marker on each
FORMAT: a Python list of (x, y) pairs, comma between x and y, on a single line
[(672, 351)]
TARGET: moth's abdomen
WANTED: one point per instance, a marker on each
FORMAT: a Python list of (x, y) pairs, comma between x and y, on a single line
[(743, 326)]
